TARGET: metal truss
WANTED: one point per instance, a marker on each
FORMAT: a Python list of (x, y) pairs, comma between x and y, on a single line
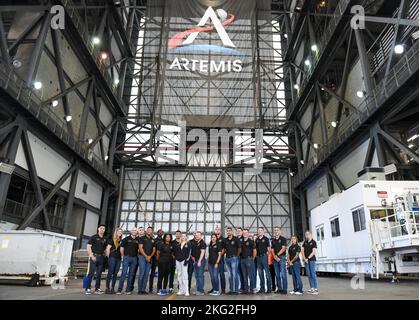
[(318, 88)]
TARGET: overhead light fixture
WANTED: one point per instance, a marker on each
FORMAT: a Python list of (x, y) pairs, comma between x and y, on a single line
[(296, 87), (106, 158), (360, 94), (116, 81), (90, 141), (399, 49), (415, 35), (37, 85), (68, 118), (54, 103), (316, 146), (96, 40), (412, 138), (104, 56), (286, 36), (291, 174), (307, 63), (411, 146), (334, 124), (302, 162), (314, 48)]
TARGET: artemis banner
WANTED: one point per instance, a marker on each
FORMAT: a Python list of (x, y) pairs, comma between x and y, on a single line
[(208, 63)]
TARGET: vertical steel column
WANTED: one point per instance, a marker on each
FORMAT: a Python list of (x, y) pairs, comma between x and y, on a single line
[(223, 200), (322, 116), (291, 202), (365, 65), (120, 195), (39, 46), (11, 159), (70, 199), (3, 43)]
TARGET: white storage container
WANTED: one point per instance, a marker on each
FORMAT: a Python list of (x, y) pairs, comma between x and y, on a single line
[(24, 253)]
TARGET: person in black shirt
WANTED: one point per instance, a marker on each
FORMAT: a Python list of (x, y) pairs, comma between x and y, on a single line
[(114, 260), (96, 249), (182, 256), (164, 263), (294, 264), (262, 251), (247, 258), (221, 269), (239, 235), (175, 242), (157, 240), (129, 252), (279, 252), (232, 253), (215, 252), (147, 251), (198, 257), (309, 253)]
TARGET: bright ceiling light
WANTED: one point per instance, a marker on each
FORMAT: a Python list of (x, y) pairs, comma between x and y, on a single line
[(302, 162), (37, 85), (68, 118), (116, 82), (307, 62), (96, 40), (334, 124), (316, 146), (54, 103), (314, 48), (411, 146), (296, 87), (104, 56), (412, 138), (285, 36), (360, 94), (106, 158), (399, 49), (90, 141)]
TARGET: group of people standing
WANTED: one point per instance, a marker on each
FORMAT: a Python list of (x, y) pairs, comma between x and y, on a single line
[(247, 258)]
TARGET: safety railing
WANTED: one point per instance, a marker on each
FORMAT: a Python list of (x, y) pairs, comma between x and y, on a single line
[(13, 84), (397, 227), (77, 21), (316, 55), (399, 74)]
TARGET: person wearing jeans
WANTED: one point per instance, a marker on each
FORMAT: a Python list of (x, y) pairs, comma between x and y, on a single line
[(96, 249), (114, 260), (262, 251), (198, 248), (232, 252), (309, 250), (215, 252), (182, 257), (147, 251), (221, 269), (247, 258), (294, 264), (279, 251), (176, 241), (129, 252)]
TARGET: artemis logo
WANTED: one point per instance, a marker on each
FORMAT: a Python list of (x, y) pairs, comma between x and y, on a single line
[(212, 20)]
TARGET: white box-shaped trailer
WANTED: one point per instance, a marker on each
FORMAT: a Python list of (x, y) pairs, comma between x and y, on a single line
[(351, 250), (25, 253)]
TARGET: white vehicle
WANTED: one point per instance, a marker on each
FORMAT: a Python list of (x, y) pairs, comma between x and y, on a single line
[(371, 228)]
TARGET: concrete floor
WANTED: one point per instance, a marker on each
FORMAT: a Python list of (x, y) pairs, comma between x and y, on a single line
[(331, 288)]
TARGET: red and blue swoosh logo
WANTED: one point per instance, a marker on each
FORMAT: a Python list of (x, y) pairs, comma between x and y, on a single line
[(176, 42)]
